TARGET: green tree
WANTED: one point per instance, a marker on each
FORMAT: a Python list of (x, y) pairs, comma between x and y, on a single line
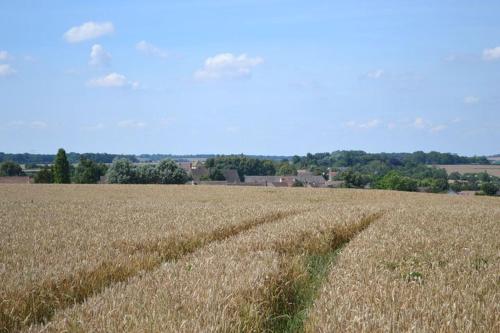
[(484, 176), (44, 176), (287, 169), (61, 168), (216, 174), (436, 185), (354, 179), (87, 171), (170, 173), (147, 174), (489, 188), (10, 168), (244, 165), (122, 171), (268, 168), (394, 181)]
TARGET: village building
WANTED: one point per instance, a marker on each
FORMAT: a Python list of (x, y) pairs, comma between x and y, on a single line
[(232, 177), (307, 179)]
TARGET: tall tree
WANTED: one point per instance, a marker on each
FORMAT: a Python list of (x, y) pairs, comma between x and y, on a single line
[(61, 168)]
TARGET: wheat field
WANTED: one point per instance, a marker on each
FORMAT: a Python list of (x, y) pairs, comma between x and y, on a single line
[(491, 169), (115, 258)]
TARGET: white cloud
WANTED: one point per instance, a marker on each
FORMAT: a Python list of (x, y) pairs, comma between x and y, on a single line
[(370, 124), (18, 124), (419, 123), (113, 80), (38, 124), (437, 128), (88, 30), (471, 100), (391, 125), (492, 54), (4, 55), (150, 49), (131, 124), (15, 124), (99, 56), (227, 65), (376, 74), (6, 70)]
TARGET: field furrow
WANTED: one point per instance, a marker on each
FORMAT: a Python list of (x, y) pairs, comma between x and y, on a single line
[(430, 270), (224, 259), (40, 302), (228, 285), (305, 264)]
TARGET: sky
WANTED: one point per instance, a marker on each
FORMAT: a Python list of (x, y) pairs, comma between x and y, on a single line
[(254, 77)]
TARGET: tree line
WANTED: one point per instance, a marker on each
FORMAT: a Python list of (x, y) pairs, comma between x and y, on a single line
[(62, 171), (352, 158), (405, 172), (72, 157), (88, 171)]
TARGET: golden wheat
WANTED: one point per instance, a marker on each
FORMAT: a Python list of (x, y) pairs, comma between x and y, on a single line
[(183, 258), (430, 266), (225, 286)]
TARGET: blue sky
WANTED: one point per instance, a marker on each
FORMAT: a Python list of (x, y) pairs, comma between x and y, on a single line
[(255, 77)]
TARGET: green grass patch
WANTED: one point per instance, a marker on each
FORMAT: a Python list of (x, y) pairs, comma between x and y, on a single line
[(292, 305)]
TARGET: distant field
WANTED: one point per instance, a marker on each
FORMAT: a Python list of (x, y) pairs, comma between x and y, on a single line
[(134, 258), (493, 169)]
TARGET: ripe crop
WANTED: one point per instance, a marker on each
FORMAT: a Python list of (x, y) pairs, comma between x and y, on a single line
[(183, 258)]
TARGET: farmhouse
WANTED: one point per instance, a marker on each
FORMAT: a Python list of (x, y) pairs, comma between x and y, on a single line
[(199, 173), (282, 181), (231, 176)]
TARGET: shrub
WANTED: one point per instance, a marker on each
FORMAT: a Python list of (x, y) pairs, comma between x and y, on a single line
[(489, 188), (10, 168), (44, 176)]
